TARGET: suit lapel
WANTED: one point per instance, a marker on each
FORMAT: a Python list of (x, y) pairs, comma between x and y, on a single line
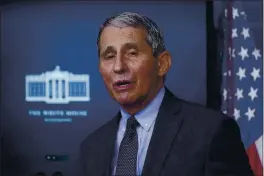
[(108, 147), (165, 130)]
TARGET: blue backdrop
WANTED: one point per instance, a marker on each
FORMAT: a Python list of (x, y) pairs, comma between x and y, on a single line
[(36, 37)]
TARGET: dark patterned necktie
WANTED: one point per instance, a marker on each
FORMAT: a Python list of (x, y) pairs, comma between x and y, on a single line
[(127, 156)]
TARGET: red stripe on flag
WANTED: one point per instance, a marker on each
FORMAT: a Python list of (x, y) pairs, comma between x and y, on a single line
[(254, 160)]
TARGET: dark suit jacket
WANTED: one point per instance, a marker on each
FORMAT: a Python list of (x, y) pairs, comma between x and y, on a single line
[(188, 140)]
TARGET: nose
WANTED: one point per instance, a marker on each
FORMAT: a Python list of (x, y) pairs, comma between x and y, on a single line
[(120, 65)]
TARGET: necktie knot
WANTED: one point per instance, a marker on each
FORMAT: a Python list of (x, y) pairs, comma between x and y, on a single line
[(132, 123)]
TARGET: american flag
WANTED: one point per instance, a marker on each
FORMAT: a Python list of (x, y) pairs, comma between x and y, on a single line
[(242, 81)]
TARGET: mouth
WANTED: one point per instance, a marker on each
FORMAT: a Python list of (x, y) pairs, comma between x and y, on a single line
[(123, 85)]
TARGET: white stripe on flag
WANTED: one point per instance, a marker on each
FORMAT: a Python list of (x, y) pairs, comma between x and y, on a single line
[(259, 147)]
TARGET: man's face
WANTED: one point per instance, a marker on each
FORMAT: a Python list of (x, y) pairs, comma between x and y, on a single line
[(127, 65)]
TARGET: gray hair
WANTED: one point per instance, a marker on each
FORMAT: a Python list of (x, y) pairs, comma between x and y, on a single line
[(129, 19)]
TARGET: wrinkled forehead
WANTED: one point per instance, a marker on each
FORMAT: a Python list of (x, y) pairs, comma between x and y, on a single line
[(120, 36)]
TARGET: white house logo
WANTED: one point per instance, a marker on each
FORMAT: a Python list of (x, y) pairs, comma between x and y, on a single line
[(57, 87)]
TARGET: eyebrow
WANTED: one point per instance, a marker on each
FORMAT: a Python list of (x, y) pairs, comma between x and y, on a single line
[(106, 50), (130, 45)]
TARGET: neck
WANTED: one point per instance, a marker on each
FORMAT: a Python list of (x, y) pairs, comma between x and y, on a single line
[(142, 103)]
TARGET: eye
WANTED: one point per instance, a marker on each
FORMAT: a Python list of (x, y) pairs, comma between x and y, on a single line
[(132, 53), (109, 56)]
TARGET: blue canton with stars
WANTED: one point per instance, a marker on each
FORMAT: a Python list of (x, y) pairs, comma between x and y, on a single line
[(242, 83)]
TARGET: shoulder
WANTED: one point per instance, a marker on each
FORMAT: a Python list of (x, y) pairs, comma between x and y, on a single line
[(218, 135), (197, 118), (201, 112), (205, 120), (194, 112)]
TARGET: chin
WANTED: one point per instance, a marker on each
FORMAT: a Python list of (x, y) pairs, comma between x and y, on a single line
[(125, 101)]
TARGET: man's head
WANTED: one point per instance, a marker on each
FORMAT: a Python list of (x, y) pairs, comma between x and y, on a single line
[(133, 59)]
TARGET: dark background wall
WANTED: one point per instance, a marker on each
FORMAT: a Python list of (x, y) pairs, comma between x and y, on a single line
[(35, 37), (38, 36)]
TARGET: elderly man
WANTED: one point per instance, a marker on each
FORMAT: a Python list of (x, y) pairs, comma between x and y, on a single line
[(155, 133)]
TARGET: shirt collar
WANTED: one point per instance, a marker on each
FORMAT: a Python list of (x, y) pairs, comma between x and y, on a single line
[(147, 116)]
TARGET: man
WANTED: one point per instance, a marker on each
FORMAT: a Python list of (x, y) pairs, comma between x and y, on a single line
[(155, 133)]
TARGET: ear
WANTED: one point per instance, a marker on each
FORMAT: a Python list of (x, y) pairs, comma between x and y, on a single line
[(164, 63)]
